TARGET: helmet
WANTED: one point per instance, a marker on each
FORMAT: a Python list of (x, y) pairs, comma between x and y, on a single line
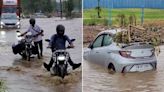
[(60, 29), (32, 21)]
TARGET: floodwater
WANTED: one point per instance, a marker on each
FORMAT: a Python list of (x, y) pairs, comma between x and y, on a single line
[(97, 79), (23, 76)]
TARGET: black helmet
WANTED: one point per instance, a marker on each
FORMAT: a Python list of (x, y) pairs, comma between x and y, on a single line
[(32, 21), (60, 29)]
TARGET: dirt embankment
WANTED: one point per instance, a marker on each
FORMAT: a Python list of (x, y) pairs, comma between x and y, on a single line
[(153, 29), (89, 32)]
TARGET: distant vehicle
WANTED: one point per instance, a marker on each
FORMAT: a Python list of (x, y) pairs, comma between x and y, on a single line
[(10, 6), (9, 20), (40, 15), (132, 57)]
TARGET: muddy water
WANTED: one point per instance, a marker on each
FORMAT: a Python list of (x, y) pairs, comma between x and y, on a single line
[(97, 79), (24, 76)]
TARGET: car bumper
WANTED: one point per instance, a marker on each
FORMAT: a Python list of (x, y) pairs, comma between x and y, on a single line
[(10, 26), (136, 65)]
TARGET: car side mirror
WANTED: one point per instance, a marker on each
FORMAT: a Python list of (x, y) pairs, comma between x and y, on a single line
[(90, 46)]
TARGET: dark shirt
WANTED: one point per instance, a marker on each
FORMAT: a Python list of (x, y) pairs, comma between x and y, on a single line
[(59, 42)]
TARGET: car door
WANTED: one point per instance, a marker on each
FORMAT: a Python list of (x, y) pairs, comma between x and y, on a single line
[(107, 49), (96, 48)]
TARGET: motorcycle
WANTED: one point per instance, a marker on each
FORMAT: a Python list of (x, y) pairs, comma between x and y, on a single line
[(25, 46), (60, 58)]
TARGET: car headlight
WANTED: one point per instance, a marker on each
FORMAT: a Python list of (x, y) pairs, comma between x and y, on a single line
[(61, 58), (2, 23), (18, 23)]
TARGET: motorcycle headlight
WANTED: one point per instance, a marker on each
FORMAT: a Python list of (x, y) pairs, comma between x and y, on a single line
[(18, 23), (2, 23), (61, 58)]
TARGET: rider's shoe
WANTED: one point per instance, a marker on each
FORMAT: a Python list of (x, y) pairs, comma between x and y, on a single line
[(46, 66), (76, 66), (41, 54), (39, 57)]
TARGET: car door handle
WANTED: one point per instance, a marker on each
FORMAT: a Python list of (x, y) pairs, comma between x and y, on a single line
[(97, 52)]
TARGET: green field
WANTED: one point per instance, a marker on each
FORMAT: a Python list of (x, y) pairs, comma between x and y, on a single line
[(90, 15)]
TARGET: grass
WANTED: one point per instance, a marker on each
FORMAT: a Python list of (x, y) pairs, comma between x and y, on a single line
[(3, 87), (90, 15)]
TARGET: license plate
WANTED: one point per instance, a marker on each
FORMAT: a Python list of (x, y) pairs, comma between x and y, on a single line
[(141, 68), (10, 26)]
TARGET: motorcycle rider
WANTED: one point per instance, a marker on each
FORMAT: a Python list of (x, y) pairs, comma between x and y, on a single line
[(58, 42), (37, 33)]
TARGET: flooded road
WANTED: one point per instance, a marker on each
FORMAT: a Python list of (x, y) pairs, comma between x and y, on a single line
[(97, 79), (24, 76)]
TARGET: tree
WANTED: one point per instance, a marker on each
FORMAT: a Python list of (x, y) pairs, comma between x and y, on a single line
[(32, 6), (69, 8)]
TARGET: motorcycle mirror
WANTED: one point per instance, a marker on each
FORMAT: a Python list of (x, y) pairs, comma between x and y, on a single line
[(72, 40), (47, 40), (18, 31)]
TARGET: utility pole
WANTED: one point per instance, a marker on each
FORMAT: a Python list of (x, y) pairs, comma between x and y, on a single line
[(110, 13), (142, 16), (61, 10), (98, 9)]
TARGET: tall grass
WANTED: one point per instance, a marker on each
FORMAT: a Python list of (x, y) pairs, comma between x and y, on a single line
[(3, 87)]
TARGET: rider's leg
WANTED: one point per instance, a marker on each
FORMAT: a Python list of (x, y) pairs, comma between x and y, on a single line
[(74, 65), (37, 49), (48, 66), (41, 47)]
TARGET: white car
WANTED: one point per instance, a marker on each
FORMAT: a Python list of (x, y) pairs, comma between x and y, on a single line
[(10, 20), (133, 57)]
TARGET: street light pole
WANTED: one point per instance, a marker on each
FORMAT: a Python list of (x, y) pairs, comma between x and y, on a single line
[(142, 13), (61, 10), (110, 12)]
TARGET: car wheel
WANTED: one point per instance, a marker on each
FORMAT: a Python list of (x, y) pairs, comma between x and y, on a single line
[(111, 68)]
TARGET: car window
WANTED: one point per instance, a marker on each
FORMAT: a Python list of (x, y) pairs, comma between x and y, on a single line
[(98, 42), (107, 40)]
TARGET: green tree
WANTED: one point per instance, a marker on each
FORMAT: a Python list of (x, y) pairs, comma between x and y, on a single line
[(69, 8), (32, 6)]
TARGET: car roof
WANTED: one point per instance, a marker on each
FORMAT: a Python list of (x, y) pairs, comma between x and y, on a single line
[(111, 31)]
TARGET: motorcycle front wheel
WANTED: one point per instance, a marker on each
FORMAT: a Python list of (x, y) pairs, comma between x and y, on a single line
[(28, 55), (62, 70)]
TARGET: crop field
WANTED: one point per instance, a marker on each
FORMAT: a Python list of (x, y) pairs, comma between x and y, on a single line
[(90, 15)]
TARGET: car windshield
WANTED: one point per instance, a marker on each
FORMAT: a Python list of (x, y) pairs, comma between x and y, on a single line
[(9, 17), (39, 14)]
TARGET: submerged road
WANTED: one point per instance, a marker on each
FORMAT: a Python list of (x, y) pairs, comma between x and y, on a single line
[(31, 77)]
